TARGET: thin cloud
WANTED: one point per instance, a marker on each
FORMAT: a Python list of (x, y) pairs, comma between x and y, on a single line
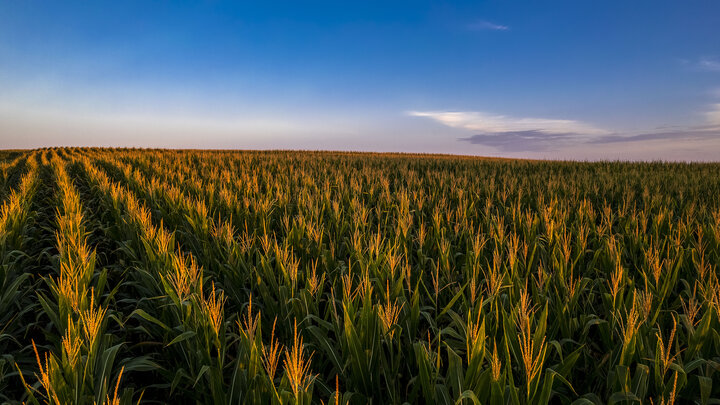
[(702, 64), (484, 25), (709, 64), (537, 141), (710, 130), (488, 123), (521, 141), (513, 134), (686, 135)]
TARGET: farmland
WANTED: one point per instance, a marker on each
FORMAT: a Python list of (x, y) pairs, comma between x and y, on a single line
[(159, 276)]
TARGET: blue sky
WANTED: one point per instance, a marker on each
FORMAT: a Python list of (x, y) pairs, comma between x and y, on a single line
[(568, 79)]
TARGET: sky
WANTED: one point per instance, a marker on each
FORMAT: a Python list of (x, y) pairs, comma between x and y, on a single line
[(580, 79)]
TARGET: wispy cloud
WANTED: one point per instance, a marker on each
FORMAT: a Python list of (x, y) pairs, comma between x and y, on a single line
[(703, 64), (513, 134), (679, 135), (709, 64), (497, 124), (536, 141), (520, 141), (484, 25), (709, 130)]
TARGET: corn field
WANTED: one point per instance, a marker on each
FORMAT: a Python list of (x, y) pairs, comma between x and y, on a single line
[(234, 277)]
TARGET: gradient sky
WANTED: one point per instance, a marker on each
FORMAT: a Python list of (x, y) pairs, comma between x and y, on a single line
[(573, 79)]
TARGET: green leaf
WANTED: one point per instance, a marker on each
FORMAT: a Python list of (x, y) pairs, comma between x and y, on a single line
[(468, 395), (182, 337), (705, 384), (148, 317)]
